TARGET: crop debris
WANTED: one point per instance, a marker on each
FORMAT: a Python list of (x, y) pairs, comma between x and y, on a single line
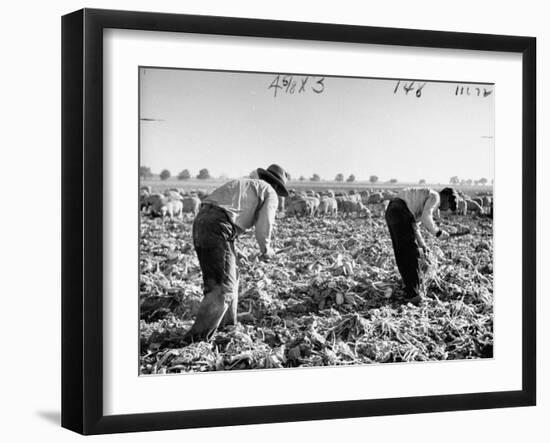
[(331, 297)]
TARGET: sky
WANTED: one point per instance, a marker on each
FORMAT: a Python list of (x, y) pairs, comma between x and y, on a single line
[(233, 122)]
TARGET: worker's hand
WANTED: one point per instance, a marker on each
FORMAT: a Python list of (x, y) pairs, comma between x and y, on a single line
[(268, 254), (424, 251), (444, 235), (422, 245)]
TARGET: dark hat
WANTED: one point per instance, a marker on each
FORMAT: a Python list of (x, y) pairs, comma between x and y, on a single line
[(448, 199), (276, 177)]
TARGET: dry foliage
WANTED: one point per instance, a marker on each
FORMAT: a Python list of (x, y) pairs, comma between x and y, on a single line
[(332, 297)]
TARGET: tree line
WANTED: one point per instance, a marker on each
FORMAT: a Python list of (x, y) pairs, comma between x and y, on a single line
[(165, 174), (204, 174), (340, 178), (455, 180)]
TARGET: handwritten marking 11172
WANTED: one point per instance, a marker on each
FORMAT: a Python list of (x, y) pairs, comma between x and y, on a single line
[(476, 91), (289, 84)]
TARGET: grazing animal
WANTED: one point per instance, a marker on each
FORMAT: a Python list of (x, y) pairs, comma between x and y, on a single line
[(298, 206), (172, 194), (378, 202), (154, 202), (461, 206), (313, 204), (191, 204), (172, 208), (375, 198), (328, 205), (340, 202), (144, 199), (352, 206), (474, 207), (161, 206), (355, 197)]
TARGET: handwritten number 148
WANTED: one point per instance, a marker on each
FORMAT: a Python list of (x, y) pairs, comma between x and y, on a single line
[(409, 87)]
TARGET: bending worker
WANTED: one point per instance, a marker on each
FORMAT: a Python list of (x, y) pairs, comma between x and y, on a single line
[(410, 208), (230, 210)]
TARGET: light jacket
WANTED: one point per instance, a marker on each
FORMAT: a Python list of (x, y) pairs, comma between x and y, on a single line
[(249, 202), (422, 202)]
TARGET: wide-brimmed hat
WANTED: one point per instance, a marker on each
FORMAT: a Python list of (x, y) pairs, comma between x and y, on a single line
[(276, 177)]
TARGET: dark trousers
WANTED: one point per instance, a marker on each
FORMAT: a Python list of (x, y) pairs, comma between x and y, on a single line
[(214, 235), (402, 227)]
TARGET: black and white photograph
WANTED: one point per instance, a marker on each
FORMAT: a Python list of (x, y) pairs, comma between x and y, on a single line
[(299, 220)]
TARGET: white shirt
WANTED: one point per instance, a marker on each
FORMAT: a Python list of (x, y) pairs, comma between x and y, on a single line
[(249, 202), (422, 202)]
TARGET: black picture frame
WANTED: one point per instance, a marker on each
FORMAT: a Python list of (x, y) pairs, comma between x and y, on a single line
[(82, 218)]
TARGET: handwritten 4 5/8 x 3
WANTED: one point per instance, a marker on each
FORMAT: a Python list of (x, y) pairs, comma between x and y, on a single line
[(290, 84)]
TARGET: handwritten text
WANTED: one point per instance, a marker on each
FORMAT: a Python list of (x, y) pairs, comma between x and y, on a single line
[(290, 84)]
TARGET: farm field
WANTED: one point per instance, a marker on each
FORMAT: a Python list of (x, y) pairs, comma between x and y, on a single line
[(332, 297)]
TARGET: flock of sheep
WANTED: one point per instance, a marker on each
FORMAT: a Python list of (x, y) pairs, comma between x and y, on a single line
[(175, 201), (366, 202), (481, 204), (172, 203), (312, 203)]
